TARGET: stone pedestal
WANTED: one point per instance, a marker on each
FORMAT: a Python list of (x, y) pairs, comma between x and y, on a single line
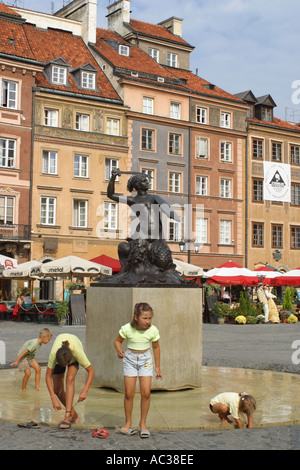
[(177, 315)]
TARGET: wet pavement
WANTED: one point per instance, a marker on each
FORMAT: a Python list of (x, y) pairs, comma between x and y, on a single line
[(261, 359)]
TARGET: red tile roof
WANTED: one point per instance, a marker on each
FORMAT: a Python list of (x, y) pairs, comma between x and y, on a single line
[(148, 69), (137, 61), (276, 123), (13, 40), (155, 31), (8, 11), (200, 86), (24, 40)]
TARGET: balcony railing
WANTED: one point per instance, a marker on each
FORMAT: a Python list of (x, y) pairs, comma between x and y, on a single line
[(14, 232)]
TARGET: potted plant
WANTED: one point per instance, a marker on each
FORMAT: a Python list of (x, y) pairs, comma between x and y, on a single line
[(284, 315), (233, 313), (251, 319), (221, 310), (241, 320), (260, 318), (75, 285), (62, 310), (292, 319), (287, 302)]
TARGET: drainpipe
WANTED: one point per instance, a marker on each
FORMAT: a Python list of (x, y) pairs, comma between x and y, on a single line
[(31, 169), (189, 181), (246, 197)]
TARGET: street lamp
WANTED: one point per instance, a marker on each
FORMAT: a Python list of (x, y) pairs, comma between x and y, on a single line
[(186, 245)]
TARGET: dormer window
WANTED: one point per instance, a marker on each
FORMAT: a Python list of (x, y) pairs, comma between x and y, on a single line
[(124, 50), (267, 114), (85, 77), (59, 75), (88, 80), (57, 72)]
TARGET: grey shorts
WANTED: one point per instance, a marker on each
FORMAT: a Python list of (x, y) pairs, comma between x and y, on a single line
[(25, 364), (137, 364)]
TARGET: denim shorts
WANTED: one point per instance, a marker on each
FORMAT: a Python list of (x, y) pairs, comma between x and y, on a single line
[(137, 364)]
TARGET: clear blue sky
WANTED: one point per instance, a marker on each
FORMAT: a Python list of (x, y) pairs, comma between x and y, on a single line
[(239, 44)]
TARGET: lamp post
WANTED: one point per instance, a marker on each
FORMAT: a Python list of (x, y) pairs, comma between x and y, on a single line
[(186, 246)]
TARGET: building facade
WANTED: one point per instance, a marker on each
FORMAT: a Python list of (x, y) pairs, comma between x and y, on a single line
[(272, 228), (17, 78)]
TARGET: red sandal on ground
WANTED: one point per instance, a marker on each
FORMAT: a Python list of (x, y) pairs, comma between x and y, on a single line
[(101, 433)]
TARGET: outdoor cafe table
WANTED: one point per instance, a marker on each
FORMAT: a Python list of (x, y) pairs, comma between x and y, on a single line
[(35, 312), (38, 312)]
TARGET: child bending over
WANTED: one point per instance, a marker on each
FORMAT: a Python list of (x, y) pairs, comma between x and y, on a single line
[(234, 404), (27, 357)]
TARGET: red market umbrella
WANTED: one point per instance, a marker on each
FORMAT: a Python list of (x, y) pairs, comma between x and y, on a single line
[(230, 273), (291, 278), (112, 263), (269, 274)]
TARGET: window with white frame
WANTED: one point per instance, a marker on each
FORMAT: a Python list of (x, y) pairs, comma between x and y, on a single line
[(51, 117), (225, 120), (147, 139), (258, 147), (201, 185), (175, 143), (201, 230), (174, 182), (124, 50), (88, 80), (110, 164), (201, 147), (82, 122), (175, 111), (295, 154), (7, 207), (148, 105), (7, 153), (295, 238), (225, 188), (277, 151), (113, 126), (257, 234), (154, 53), (150, 175), (175, 230), (201, 115), (172, 59), (110, 215), (226, 151), (80, 209), (225, 232), (81, 166), (49, 165), (48, 210), (267, 114), (9, 94), (295, 195), (59, 75)]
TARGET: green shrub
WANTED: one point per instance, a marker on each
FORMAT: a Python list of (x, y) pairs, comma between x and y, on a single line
[(287, 302)]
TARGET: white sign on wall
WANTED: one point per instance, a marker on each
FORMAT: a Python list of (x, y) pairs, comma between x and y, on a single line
[(277, 182)]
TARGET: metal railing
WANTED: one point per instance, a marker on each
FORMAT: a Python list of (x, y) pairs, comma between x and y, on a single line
[(14, 231)]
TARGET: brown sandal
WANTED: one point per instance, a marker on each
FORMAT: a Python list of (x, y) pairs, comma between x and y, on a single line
[(65, 424)]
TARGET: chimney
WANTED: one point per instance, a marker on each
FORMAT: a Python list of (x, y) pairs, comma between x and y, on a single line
[(84, 11), (118, 14), (174, 25)]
